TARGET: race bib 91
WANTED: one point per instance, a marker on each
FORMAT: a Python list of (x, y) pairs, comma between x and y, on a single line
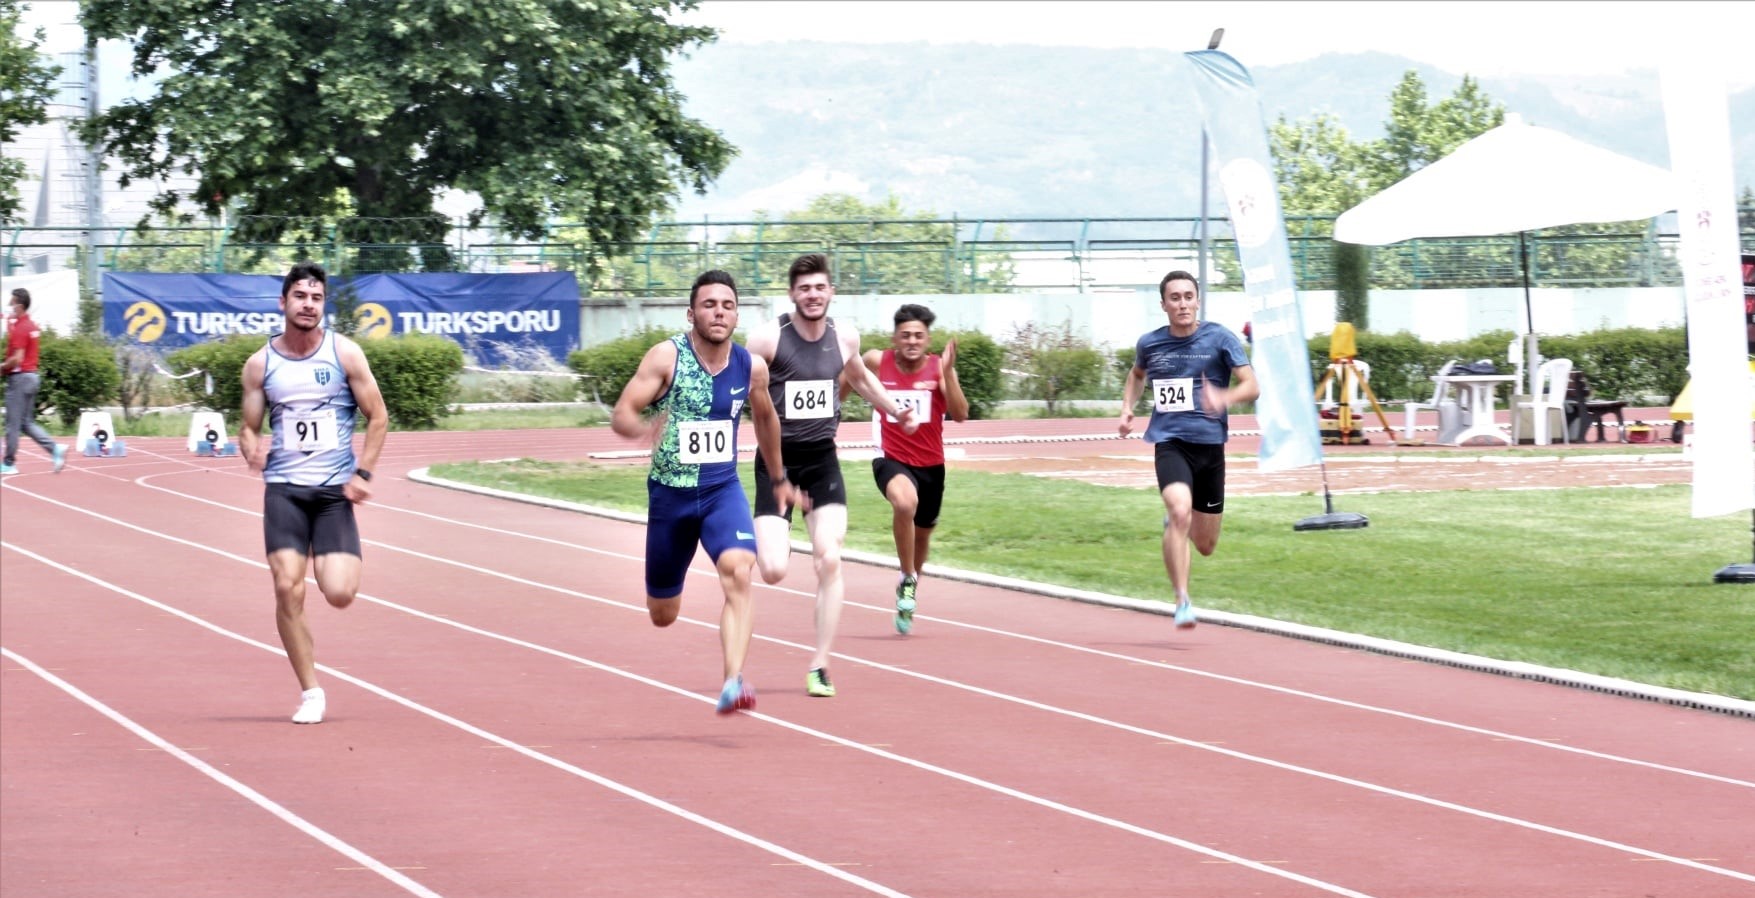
[(310, 431), (1173, 394), (703, 442), (809, 399)]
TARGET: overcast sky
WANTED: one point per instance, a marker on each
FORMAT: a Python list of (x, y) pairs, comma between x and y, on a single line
[(1476, 37)]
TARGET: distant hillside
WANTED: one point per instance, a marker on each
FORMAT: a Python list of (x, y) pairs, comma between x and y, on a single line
[(1002, 132)]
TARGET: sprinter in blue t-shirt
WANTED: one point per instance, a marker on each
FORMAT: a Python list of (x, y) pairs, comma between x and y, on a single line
[(1189, 365)]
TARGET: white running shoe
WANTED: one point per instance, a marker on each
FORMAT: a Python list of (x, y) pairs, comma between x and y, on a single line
[(312, 704)]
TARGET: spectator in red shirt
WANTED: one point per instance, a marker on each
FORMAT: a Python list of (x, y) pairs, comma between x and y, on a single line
[(22, 383)]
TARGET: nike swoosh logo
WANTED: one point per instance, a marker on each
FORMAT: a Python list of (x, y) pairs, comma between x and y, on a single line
[(738, 390), (1213, 504)]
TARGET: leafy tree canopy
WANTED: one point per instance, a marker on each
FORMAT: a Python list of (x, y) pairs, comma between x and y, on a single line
[(26, 86), (1323, 171), (547, 109)]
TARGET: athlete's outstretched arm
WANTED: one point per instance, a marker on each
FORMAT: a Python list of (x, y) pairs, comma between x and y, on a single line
[(1130, 396), (956, 404), (865, 382), (767, 423)]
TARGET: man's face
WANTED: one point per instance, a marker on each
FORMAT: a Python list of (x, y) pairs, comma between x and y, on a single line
[(910, 341), (14, 310), (303, 305), (810, 295), (1182, 302), (714, 313)]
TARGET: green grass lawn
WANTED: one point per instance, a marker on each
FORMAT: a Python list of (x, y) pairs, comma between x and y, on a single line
[(1616, 582)]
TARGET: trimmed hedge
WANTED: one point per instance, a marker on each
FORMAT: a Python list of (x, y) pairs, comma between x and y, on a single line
[(77, 373), (223, 360), (607, 367), (417, 373)]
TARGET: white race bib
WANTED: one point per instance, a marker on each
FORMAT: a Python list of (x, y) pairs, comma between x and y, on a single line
[(1173, 394), (309, 431), (809, 399), (703, 442), (918, 400)]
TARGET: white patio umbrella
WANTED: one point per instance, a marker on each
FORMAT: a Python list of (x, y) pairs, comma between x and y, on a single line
[(1514, 178)]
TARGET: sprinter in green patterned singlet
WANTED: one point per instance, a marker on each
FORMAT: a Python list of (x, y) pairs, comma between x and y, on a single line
[(700, 381)]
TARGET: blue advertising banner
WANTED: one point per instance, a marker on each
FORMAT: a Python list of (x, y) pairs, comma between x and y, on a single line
[(1286, 410), (499, 319)]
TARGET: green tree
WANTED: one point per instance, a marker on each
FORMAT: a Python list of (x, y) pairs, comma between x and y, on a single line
[(26, 86), (1322, 170), (873, 247), (546, 109), (876, 248)]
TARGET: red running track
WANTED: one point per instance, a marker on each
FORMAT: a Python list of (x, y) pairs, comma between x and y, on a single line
[(504, 721)]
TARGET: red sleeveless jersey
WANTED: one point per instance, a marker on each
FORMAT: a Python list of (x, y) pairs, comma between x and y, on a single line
[(924, 392)]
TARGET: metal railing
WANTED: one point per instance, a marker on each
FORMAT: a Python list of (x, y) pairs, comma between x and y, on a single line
[(869, 256)]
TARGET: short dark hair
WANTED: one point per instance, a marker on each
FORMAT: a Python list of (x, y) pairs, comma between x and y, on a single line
[(809, 263), (22, 297), (915, 312), (714, 276), (303, 271), (1177, 275)]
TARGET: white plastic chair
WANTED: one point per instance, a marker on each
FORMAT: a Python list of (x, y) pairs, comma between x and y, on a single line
[(1355, 394), (1551, 382), (1440, 393)]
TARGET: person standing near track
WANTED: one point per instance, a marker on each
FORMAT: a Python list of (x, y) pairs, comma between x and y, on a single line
[(807, 353), (19, 364), (1189, 365), (700, 381), (312, 384), (910, 467)]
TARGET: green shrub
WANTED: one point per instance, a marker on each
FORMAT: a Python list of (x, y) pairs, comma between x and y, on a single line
[(417, 373), (1056, 364), (223, 361), (607, 367), (77, 373), (1634, 364)]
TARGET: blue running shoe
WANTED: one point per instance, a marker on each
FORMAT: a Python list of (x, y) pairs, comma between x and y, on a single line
[(736, 696), (1184, 617), (905, 605), (60, 457)]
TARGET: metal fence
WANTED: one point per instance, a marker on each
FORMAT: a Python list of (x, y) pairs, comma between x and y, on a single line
[(869, 256)]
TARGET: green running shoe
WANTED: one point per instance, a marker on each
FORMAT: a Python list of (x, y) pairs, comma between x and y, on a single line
[(817, 683), (905, 605)]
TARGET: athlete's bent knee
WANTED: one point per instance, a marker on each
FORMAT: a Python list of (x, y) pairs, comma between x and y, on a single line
[(663, 611)]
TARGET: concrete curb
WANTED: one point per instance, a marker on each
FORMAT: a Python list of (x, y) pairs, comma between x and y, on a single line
[(1558, 676)]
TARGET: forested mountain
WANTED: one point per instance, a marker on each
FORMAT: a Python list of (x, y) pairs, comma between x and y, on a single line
[(1000, 132)]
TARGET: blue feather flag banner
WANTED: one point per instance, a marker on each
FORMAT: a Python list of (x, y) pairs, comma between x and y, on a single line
[(1286, 410)]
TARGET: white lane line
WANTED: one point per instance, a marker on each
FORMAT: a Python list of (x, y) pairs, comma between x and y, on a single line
[(1009, 634), (1203, 746), (597, 779), (629, 791), (316, 832)]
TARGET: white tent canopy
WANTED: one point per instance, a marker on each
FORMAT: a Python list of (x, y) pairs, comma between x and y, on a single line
[(1512, 179), (1515, 177)]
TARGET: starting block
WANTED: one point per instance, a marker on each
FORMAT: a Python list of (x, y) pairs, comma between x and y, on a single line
[(97, 436), (207, 436)]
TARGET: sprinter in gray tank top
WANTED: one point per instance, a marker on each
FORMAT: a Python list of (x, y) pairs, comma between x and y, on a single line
[(806, 355)]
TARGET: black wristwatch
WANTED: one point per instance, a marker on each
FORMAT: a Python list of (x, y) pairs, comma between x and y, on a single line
[(363, 474)]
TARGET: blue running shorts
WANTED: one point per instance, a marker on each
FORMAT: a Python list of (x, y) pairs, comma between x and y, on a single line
[(678, 518)]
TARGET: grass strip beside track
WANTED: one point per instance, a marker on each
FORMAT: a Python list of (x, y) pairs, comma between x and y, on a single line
[(1609, 582)]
